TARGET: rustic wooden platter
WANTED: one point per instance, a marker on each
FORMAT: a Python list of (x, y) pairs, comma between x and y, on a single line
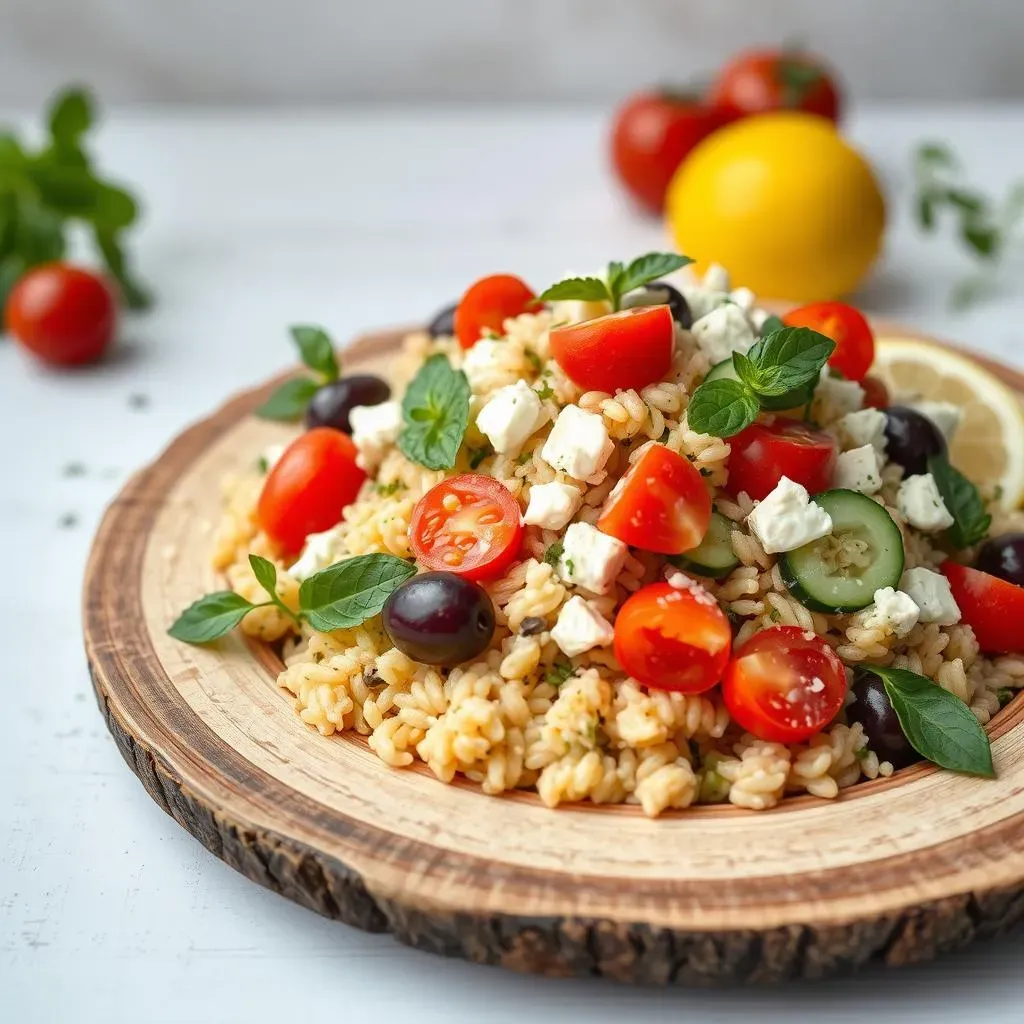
[(895, 871)]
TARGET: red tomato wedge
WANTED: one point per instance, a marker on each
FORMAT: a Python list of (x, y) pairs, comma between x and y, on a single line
[(671, 638), (762, 455), (660, 505), (992, 607), (629, 349), (470, 525), (847, 327), (488, 304), (784, 685), (308, 487)]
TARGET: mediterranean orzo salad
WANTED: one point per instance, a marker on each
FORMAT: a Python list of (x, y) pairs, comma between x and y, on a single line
[(630, 540)]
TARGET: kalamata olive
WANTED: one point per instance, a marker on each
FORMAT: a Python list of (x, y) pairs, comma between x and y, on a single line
[(443, 324), (661, 294), (1003, 557), (872, 709), (532, 625), (440, 619), (331, 404), (913, 439)]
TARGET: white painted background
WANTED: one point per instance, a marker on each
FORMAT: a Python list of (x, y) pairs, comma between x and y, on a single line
[(328, 51)]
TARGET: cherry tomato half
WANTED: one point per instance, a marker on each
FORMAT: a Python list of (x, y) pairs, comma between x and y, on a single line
[(846, 326), (488, 304), (876, 394), (660, 505), (757, 81), (628, 349), (308, 487), (992, 607), (672, 638), (651, 135), (470, 525), (762, 455), (784, 685), (62, 314)]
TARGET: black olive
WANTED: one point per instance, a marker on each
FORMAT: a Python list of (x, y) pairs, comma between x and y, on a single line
[(532, 625), (913, 439), (661, 294), (882, 728), (1003, 557), (330, 405), (443, 324)]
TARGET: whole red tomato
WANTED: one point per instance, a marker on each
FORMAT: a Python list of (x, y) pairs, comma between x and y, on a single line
[(651, 135), (757, 81), (62, 314)]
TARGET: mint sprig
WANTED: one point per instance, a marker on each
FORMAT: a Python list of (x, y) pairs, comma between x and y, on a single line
[(937, 724), (781, 362), (961, 498), (341, 596), (316, 350), (436, 413), (620, 279)]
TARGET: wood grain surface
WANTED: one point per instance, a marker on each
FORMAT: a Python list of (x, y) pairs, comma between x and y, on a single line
[(895, 870)]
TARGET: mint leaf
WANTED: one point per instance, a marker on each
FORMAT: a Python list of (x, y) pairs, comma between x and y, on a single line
[(788, 359), (553, 554), (211, 617), (939, 726), (70, 116), (436, 412), (289, 401), (614, 276), (477, 455), (722, 407), (961, 497), (586, 289), (645, 269), (746, 371), (348, 593), (559, 672), (135, 294), (316, 351), (771, 325)]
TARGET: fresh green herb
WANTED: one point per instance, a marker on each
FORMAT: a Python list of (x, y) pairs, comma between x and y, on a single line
[(620, 279), (861, 753), (266, 576), (386, 490), (771, 325), (782, 361), (533, 359), (797, 77), (263, 465), (559, 672), (138, 401), (961, 498), (289, 401), (477, 455), (545, 391), (553, 554), (938, 725), (436, 412), (73, 469), (68, 521), (570, 567), (46, 191), (211, 617), (1004, 695), (523, 458)]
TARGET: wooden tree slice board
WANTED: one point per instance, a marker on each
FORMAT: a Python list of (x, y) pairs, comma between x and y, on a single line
[(895, 870)]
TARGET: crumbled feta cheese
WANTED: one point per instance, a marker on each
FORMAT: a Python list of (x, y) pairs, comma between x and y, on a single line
[(591, 559), (893, 611), (374, 429), (271, 454), (835, 397), (787, 519), (865, 426), (481, 360), (578, 444), (723, 331), (581, 627), (858, 470), (920, 503), (552, 505), (510, 416), (930, 592), (744, 298), (945, 415), (680, 581), (716, 278), (317, 554)]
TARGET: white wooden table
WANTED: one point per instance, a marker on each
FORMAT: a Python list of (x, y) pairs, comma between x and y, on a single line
[(109, 912)]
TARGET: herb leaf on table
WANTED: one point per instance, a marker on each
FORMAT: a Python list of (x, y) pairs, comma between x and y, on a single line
[(316, 350)]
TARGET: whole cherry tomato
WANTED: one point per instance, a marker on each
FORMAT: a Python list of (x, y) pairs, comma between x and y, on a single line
[(847, 327), (62, 314), (469, 524), (308, 487), (651, 135), (762, 455), (992, 607), (488, 303), (757, 81)]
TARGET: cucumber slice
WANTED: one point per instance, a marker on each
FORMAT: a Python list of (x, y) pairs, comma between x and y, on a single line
[(725, 370), (841, 572), (714, 555)]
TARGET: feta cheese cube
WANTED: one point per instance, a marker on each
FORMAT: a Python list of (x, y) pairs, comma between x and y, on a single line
[(723, 331), (893, 611), (744, 298), (920, 503), (945, 415), (835, 397), (552, 505), (581, 627), (787, 519), (510, 416), (930, 592), (591, 559), (317, 553), (865, 426), (858, 470), (481, 361), (578, 444), (374, 429), (716, 278)]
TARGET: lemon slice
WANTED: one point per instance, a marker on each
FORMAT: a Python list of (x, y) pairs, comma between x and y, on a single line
[(988, 446)]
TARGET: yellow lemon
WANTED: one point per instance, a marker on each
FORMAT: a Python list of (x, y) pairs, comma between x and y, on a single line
[(781, 201)]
